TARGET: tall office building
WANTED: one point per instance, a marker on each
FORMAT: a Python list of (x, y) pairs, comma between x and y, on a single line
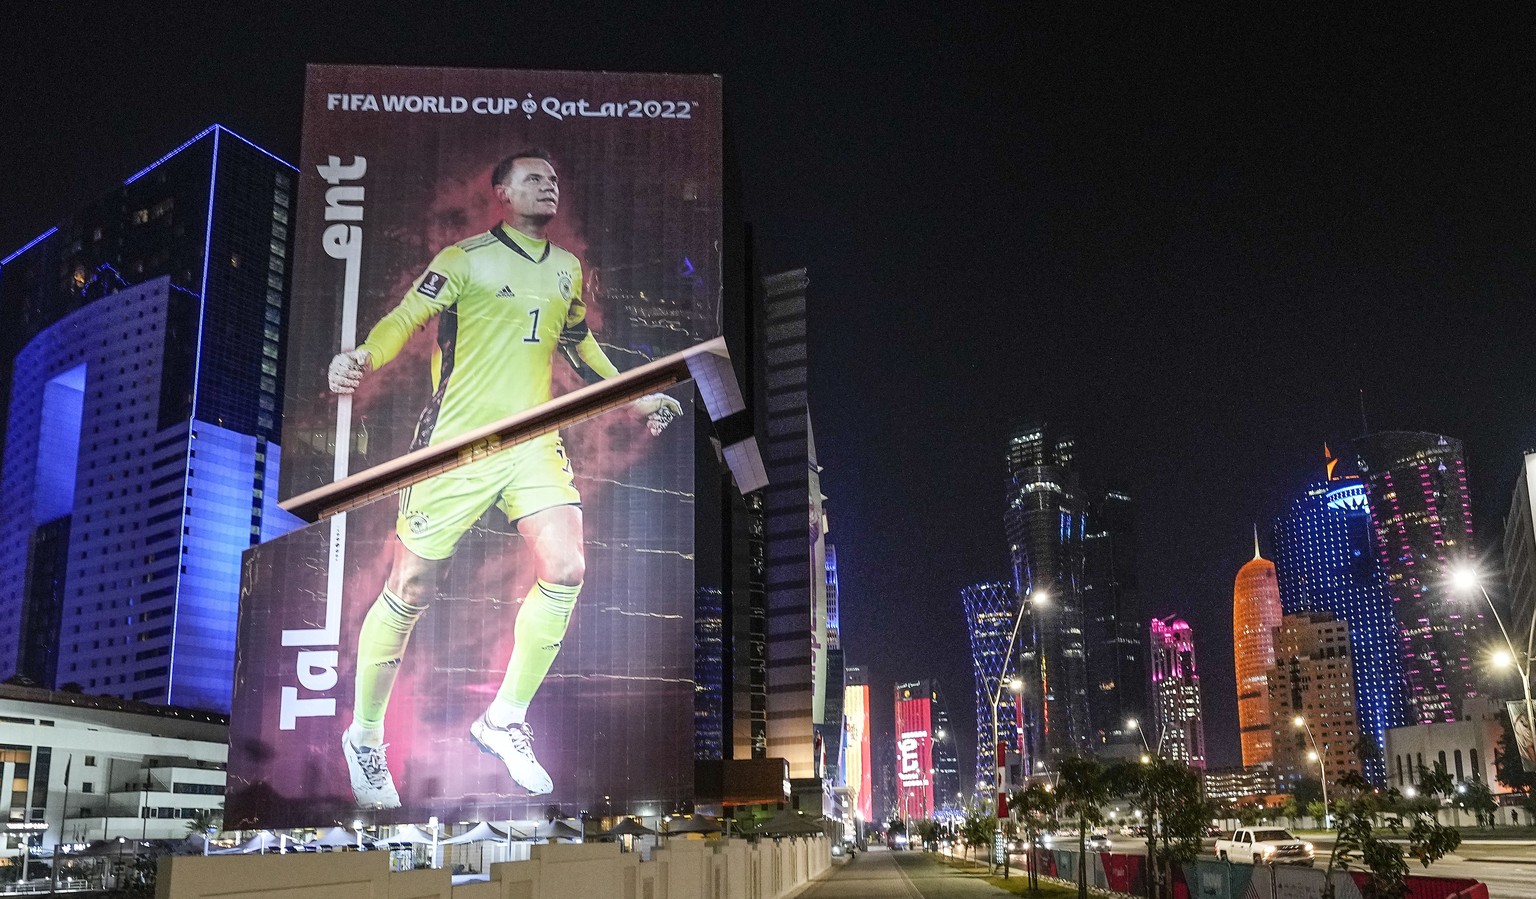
[(139, 454), (1116, 640), (914, 750), (1416, 484), (830, 731), (1326, 561), (1520, 547), (1255, 615), (990, 611), (795, 550), (946, 759), (1313, 679), (1176, 692), (858, 769), (1045, 520)]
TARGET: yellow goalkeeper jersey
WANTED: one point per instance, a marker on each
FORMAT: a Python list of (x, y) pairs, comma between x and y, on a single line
[(505, 302)]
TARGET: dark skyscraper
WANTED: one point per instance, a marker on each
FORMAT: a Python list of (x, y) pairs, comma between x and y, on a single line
[(1326, 561), (1116, 641), (1416, 484), (139, 462), (1045, 522)]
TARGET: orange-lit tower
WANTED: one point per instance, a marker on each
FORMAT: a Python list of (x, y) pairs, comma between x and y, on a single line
[(1255, 615)]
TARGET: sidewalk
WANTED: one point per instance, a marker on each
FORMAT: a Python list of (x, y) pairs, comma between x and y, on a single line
[(881, 874)]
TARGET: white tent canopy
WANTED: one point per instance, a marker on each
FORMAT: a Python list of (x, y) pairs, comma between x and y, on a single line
[(477, 834), (336, 838)]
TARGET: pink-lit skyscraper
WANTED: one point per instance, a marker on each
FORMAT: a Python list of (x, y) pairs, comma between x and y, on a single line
[(1421, 512), (1176, 692)]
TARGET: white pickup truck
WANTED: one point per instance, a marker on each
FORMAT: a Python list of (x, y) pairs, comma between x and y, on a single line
[(1265, 846)]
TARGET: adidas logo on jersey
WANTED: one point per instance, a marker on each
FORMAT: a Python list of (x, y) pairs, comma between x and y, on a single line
[(505, 292)]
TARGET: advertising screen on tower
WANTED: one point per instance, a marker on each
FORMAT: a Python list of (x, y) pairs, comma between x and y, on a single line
[(447, 215), (914, 751), (516, 632), (609, 711), (856, 768)]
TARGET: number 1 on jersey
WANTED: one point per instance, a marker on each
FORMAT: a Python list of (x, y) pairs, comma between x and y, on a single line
[(533, 332)]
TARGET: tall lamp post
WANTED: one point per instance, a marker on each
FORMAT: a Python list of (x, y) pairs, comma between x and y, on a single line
[(1467, 578), (1317, 755), (1015, 684)]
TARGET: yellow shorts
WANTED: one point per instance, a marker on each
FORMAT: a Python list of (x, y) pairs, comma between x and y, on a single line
[(529, 478)]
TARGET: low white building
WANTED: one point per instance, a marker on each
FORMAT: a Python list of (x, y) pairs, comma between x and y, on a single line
[(78, 768)]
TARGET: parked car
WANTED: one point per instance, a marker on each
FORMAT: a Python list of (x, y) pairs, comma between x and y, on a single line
[(1099, 842)]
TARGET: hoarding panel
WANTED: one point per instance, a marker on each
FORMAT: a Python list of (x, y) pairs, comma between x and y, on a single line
[(612, 718), (399, 223)]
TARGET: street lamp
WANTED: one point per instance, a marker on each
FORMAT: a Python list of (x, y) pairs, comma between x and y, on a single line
[(1466, 578), (1316, 755), (1016, 684)]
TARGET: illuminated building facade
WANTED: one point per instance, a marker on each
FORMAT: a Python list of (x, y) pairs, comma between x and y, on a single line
[(1176, 692), (139, 453), (914, 750), (1314, 679), (989, 615), (1045, 521), (1416, 484), (1326, 561), (829, 732), (857, 771), (1255, 615)]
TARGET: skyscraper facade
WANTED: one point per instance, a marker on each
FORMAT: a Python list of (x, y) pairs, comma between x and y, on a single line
[(858, 770), (1255, 615), (1520, 547), (1326, 561), (1045, 522), (914, 750), (794, 543), (830, 731), (990, 610), (1313, 679), (946, 760), (1416, 484), (139, 454), (1116, 640), (1176, 692)]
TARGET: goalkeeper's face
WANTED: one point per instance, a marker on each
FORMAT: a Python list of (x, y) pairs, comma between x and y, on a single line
[(531, 191)]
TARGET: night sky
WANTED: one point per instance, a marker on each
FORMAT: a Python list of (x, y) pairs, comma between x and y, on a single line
[(1194, 239)]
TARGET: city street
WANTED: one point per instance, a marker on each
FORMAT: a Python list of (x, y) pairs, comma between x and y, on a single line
[(880, 874)]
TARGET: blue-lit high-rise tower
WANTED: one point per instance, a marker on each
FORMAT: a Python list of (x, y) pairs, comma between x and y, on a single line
[(1326, 561), (143, 370), (990, 611)]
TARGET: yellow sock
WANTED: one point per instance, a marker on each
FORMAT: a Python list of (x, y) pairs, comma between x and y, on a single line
[(541, 625), (380, 647)]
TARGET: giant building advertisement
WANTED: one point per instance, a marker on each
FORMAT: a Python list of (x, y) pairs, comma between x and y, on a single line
[(914, 750), (516, 632), (857, 771)]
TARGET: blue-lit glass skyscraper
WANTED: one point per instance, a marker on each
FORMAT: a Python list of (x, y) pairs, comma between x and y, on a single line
[(990, 610), (142, 369), (1326, 561)]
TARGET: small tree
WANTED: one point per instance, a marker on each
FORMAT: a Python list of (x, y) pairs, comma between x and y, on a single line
[(927, 831), (1035, 807), (1356, 844), (1476, 798), (1083, 789)]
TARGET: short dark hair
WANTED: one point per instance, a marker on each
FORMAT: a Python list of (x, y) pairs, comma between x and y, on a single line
[(504, 168)]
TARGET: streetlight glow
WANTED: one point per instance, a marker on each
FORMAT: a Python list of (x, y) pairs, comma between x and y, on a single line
[(1299, 721), (1502, 659), (1465, 578)]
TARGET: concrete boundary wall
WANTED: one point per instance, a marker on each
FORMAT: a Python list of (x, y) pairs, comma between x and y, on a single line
[(685, 869)]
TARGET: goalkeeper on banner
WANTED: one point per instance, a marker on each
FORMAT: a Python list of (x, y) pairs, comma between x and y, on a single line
[(506, 301)]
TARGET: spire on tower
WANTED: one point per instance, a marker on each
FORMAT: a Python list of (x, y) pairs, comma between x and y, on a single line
[(1256, 540)]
